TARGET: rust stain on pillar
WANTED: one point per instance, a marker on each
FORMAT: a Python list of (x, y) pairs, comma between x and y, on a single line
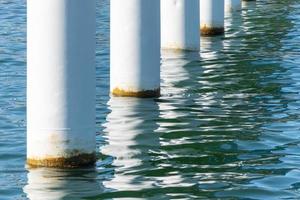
[(141, 94)]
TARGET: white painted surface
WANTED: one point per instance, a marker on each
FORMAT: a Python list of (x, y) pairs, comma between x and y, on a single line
[(180, 24), (135, 45), (212, 13), (60, 78), (232, 5)]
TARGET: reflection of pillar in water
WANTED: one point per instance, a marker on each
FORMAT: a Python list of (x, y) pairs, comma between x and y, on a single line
[(180, 24), (211, 48), (232, 5), (173, 71), (234, 31), (246, 3), (130, 132), (180, 72), (56, 184)]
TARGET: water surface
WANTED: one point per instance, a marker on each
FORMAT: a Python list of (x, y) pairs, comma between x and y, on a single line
[(226, 126)]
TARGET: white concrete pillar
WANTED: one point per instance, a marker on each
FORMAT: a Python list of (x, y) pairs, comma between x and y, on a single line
[(232, 5), (135, 48), (61, 83), (212, 17), (180, 24)]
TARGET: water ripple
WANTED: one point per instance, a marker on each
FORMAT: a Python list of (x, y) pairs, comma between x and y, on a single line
[(225, 127)]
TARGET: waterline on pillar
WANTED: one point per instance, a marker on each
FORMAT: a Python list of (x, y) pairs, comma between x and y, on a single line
[(178, 49), (76, 161), (212, 31), (118, 92)]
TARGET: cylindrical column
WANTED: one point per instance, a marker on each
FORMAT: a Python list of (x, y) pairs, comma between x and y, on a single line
[(233, 5), (180, 24), (212, 17), (61, 83), (135, 48)]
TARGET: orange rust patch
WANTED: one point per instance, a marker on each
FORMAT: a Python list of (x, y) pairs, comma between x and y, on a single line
[(209, 31), (82, 160), (141, 94)]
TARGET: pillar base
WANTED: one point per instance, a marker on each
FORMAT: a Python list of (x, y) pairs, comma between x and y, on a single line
[(140, 94), (179, 49), (82, 160), (211, 31)]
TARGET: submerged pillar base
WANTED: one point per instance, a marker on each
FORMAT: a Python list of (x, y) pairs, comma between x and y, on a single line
[(212, 31), (178, 49), (81, 160), (140, 94)]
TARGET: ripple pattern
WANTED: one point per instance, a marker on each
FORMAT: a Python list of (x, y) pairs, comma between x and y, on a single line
[(226, 126)]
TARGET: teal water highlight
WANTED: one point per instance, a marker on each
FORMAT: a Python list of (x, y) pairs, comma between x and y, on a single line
[(226, 126)]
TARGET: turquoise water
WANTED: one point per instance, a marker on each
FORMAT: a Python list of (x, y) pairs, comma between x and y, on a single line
[(227, 125)]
